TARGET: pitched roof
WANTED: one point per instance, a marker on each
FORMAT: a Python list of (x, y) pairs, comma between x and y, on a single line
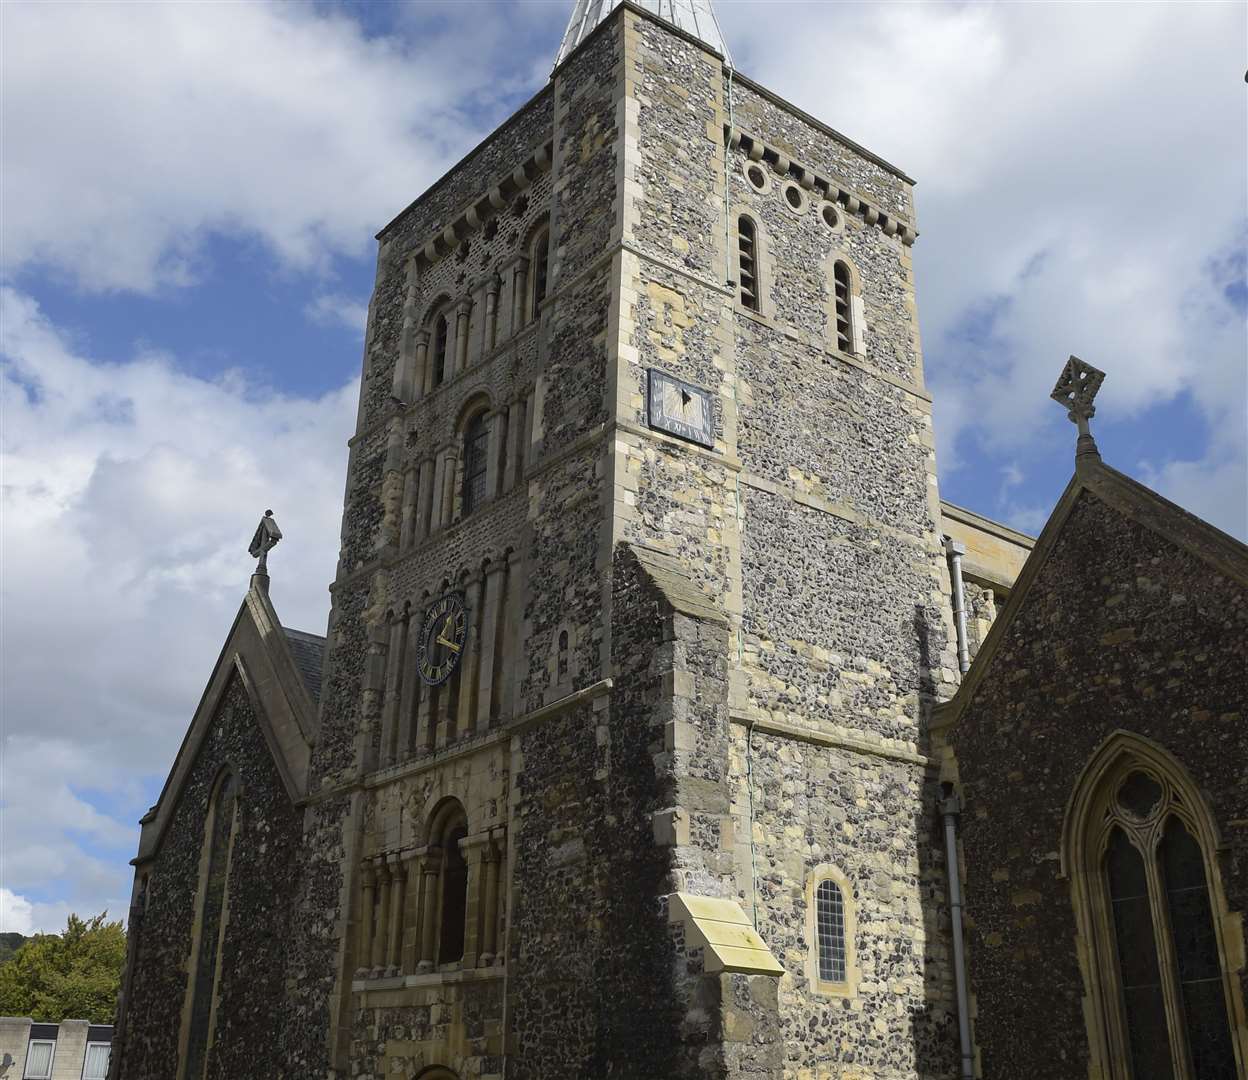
[(308, 652), (1131, 499)]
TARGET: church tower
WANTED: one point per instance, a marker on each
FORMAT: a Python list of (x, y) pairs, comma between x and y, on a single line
[(640, 600), (614, 761)]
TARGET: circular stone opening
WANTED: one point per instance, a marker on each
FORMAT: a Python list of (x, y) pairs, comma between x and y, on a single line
[(793, 196), (1139, 795), (757, 178), (830, 217)]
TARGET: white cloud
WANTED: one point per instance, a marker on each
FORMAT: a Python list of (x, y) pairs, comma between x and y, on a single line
[(131, 490), (1079, 166), (16, 913), (334, 309), (133, 132)]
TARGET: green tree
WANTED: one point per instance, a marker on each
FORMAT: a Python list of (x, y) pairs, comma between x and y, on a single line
[(74, 975)]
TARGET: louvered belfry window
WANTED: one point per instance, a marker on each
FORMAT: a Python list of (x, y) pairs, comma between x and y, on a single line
[(476, 460), (830, 931), (1165, 945), (747, 262), (844, 329)]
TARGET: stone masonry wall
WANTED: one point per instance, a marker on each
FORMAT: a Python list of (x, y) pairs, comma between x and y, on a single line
[(251, 1037), (1122, 629)]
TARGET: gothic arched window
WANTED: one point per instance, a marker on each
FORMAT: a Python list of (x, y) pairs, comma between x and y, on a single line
[(476, 462), (842, 285), (206, 951), (747, 262), (441, 332), (1147, 892)]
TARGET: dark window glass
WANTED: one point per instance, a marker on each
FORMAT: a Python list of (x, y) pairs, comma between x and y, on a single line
[(1143, 1003), (840, 283), (222, 825), (1139, 795), (1196, 952), (476, 458), (540, 268), (454, 898), (830, 930), (440, 334), (747, 262)]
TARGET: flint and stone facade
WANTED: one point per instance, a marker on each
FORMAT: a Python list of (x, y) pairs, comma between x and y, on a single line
[(695, 681)]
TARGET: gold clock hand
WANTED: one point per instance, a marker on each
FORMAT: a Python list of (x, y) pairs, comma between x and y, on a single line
[(449, 644)]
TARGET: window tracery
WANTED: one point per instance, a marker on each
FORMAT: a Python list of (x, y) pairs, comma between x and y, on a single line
[(1148, 894)]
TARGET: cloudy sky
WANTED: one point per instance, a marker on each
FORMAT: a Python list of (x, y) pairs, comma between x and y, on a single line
[(189, 197)]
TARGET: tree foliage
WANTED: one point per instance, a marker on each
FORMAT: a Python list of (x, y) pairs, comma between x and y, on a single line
[(73, 975)]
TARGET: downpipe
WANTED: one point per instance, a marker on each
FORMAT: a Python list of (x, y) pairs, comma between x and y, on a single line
[(954, 552), (950, 808)]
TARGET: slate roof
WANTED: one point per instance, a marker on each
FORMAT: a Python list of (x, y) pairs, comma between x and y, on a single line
[(308, 651)]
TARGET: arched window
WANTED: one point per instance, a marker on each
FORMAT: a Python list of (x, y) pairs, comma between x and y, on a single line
[(842, 285), (830, 928), (441, 332), (476, 462), (562, 663), (541, 267), (218, 833), (1146, 891), (454, 897), (747, 262), (830, 931)]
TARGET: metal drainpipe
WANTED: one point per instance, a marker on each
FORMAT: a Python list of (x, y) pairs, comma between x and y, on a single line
[(954, 551), (950, 808)]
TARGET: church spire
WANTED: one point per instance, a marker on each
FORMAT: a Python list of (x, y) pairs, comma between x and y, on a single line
[(695, 17)]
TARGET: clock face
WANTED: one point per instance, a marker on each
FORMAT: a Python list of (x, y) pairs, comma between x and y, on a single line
[(442, 637)]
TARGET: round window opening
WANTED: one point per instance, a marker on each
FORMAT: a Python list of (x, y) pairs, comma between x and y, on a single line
[(757, 178), (793, 196), (830, 217), (1139, 795)]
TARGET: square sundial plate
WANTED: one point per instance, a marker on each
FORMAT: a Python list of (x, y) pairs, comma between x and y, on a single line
[(681, 409)]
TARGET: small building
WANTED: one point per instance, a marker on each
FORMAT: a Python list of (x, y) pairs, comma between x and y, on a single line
[(70, 1050)]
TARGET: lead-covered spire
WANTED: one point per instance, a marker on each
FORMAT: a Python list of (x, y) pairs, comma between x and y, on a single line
[(695, 17)]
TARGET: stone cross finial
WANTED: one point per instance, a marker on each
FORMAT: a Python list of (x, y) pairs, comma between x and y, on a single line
[(1075, 390), (267, 535)]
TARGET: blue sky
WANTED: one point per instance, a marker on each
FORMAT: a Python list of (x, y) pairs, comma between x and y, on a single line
[(190, 195)]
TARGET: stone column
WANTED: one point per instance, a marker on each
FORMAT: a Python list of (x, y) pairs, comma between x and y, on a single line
[(368, 882), (430, 871), (436, 520), (513, 599), (494, 452), (372, 699), (450, 462), (424, 716), (515, 445), (494, 581), (492, 289), (463, 312), (519, 293), (424, 492), (407, 522), (383, 920), (489, 906), (394, 950), (473, 848), (420, 364), (472, 655)]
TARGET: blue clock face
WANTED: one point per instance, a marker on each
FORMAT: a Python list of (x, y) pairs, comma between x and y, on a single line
[(442, 638), (681, 409)]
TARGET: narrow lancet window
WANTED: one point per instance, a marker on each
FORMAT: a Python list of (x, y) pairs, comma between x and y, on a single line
[(476, 462), (212, 907), (830, 930), (747, 262), (440, 334), (454, 899), (541, 265)]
